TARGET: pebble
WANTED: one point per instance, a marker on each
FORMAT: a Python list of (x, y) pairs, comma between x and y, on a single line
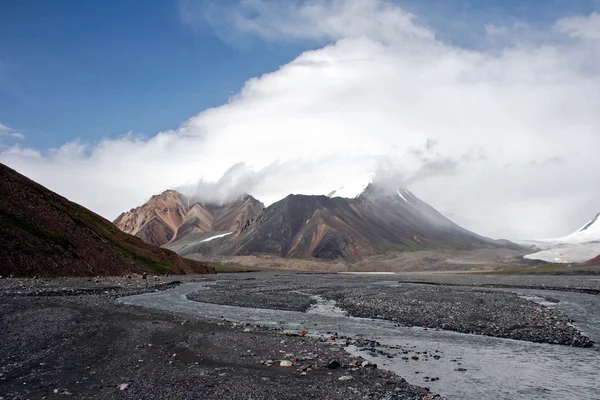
[(122, 386), (345, 378), (285, 363), (305, 367)]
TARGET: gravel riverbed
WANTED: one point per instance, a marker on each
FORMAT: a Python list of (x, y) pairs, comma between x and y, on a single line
[(460, 309), (66, 338)]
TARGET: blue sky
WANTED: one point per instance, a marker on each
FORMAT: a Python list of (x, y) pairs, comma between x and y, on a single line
[(468, 105), (92, 69)]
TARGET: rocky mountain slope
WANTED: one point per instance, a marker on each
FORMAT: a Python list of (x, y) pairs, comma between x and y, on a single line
[(44, 234), (323, 227), (171, 216), (580, 246)]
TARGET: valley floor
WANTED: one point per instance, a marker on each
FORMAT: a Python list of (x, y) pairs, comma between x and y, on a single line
[(73, 336), (70, 337)]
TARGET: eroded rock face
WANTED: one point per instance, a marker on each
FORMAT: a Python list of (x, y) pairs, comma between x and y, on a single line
[(172, 216), (44, 234)]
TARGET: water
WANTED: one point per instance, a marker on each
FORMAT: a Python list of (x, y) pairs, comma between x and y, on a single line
[(498, 368)]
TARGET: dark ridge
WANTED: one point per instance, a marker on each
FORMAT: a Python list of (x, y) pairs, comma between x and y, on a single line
[(44, 234)]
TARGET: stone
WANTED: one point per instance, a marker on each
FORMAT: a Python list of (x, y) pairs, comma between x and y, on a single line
[(345, 378), (123, 386), (285, 363), (305, 367)]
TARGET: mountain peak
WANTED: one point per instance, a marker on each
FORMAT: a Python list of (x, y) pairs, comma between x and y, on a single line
[(379, 220), (167, 194), (170, 215), (593, 224)]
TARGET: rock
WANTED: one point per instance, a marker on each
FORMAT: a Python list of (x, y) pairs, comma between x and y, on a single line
[(285, 363), (123, 386), (305, 367), (460, 369), (368, 365), (334, 364), (345, 378)]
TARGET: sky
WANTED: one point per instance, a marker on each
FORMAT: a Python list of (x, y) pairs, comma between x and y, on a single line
[(486, 110)]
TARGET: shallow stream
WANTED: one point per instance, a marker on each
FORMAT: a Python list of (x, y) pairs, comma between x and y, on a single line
[(469, 366)]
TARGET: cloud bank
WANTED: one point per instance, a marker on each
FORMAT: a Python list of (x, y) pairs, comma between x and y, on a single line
[(505, 137)]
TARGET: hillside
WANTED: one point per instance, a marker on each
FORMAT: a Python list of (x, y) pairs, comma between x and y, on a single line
[(44, 234), (322, 227), (594, 261)]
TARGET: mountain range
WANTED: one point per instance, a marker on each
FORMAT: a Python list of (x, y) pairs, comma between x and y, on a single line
[(375, 222), (44, 234), (171, 216)]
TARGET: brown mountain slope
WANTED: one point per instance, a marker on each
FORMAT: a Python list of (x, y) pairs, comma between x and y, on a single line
[(155, 222), (44, 234), (593, 261), (172, 216), (323, 227)]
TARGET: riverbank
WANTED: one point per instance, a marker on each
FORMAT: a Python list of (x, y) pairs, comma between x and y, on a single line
[(70, 337)]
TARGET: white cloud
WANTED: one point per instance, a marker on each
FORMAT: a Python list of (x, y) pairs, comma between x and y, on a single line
[(5, 131), (505, 139), (315, 20), (587, 27)]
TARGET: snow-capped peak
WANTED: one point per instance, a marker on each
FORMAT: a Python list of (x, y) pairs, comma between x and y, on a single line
[(587, 233), (348, 191)]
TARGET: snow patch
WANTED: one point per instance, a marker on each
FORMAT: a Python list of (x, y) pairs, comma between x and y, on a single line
[(580, 246), (401, 193), (215, 237), (351, 190)]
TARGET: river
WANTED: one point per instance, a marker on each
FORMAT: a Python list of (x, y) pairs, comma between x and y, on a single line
[(495, 367)]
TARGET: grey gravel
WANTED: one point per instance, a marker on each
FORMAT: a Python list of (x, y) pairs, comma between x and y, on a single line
[(70, 338), (466, 309)]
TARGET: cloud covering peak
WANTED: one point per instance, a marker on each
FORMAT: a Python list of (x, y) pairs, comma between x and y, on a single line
[(506, 137)]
